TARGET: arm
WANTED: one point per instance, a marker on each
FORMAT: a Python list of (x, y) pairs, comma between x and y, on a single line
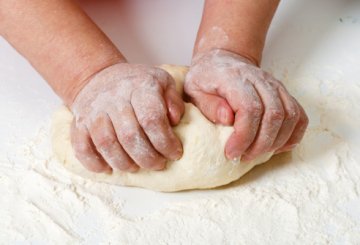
[(59, 40), (228, 86), (239, 26), (122, 112)]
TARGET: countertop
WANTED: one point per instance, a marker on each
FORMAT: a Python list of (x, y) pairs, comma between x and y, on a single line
[(308, 41)]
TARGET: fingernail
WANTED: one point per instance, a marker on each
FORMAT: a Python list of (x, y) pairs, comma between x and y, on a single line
[(177, 154), (108, 171), (159, 166), (233, 154), (246, 158), (133, 168), (222, 115), (287, 148)]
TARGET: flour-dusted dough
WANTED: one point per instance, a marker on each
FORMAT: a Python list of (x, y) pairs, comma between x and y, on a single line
[(202, 166)]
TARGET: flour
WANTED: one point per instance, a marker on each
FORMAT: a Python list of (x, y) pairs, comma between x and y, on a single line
[(216, 35), (311, 196)]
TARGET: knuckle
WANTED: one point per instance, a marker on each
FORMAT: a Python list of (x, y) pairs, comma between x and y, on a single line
[(152, 121), (292, 113), (162, 142), (106, 141), (153, 82), (129, 135), (256, 109), (275, 115), (292, 116), (82, 149)]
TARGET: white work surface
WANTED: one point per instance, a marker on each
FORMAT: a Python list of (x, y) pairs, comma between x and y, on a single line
[(308, 41)]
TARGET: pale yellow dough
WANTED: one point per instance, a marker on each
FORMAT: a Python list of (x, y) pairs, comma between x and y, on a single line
[(203, 164)]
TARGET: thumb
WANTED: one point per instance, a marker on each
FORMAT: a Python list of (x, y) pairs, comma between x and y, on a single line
[(175, 106), (215, 108)]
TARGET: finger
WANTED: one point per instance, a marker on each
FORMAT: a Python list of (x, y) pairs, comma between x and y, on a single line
[(248, 107), (107, 144), (298, 132), (215, 108), (150, 111), (292, 115), (174, 105), (173, 99), (271, 122), (85, 150), (134, 141)]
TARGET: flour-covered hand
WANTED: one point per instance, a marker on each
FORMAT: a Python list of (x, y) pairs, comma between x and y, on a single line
[(231, 90), (123, 118)]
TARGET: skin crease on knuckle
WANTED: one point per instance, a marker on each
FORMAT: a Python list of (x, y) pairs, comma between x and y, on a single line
[(105, 140), (120, 81)]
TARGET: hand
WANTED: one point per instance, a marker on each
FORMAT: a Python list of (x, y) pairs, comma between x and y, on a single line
[(231, 90), (123, 117)]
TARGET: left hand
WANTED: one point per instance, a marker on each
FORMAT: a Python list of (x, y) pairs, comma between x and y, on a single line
[(229, 89)]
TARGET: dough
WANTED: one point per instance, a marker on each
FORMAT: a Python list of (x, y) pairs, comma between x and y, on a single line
[(203, 164)]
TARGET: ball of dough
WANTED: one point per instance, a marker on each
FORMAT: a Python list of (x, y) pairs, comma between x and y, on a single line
[(203, 164)]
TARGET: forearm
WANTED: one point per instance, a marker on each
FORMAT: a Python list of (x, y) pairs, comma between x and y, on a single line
[(239, 26), (59, 40)]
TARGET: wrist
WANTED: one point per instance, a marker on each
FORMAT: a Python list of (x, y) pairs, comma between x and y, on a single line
[(252, 53), (238, 26), (224, 53), (72, 88)]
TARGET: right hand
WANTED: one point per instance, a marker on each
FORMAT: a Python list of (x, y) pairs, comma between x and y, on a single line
[(232, 90), (123, 118)]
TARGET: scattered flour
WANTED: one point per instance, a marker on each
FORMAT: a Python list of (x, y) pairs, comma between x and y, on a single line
[(311, 196)]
